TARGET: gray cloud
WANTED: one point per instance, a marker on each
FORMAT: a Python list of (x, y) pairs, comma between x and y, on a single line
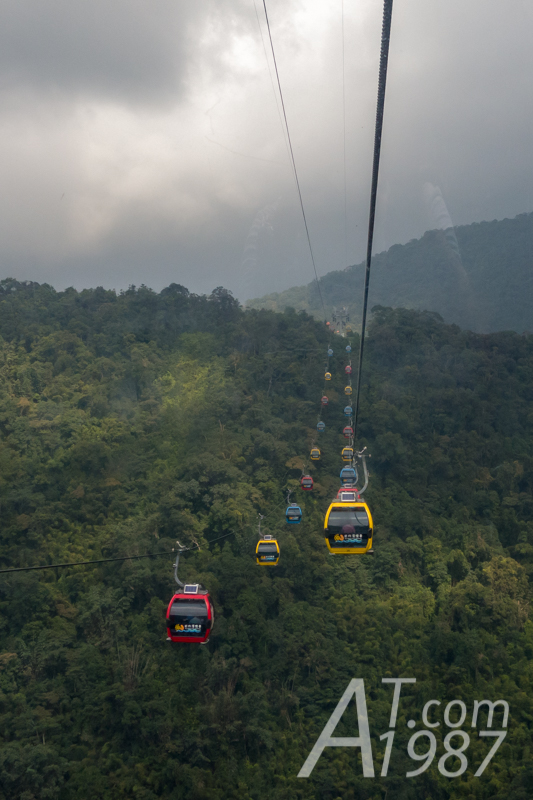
[(139, 141), (124, 50)]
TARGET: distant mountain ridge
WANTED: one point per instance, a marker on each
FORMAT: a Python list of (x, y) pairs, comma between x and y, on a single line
[(479, 276)]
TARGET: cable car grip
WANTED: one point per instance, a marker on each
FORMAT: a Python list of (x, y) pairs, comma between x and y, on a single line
[(362, 456), (180, 551)]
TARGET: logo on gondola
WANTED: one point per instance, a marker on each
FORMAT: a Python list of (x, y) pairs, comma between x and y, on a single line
[(344, 537), (191, 627)]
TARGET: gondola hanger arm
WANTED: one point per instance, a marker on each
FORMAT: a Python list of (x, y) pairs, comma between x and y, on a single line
[(176, 564), (365, 470)]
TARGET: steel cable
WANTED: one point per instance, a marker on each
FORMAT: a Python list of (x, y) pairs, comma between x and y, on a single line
[(107, 560), (383, 63), (293, 160)]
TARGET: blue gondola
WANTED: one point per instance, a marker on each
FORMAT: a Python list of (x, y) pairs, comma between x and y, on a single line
[(348, 348), (293, 515), (330, 352), (348, 476), (321, 427), (348, 410)]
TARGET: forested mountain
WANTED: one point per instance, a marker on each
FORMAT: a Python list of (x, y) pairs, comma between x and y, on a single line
[(128, 422), (478, 276)]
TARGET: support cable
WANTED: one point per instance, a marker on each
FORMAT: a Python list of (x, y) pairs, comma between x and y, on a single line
[(344, 140), (271, 78), (293, 160), (383, 62), (107, 560)]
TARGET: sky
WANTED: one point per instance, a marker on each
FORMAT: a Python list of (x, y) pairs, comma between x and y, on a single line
[(141, 141)]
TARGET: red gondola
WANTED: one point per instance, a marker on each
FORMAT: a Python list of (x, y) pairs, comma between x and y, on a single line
[(324, 400), (348, 495), (348, 369), (306, 483), (190, 615), (348, 432)]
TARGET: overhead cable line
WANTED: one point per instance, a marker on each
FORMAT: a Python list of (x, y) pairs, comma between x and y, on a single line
[(107, 560), (270, 75), (344, 139), (293, 160), (383, 62)]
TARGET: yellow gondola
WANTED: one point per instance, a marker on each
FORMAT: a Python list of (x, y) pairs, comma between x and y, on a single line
[(315, 454), (347, 454), (348, 526), (327, 376), (347, 390), (267, 552)]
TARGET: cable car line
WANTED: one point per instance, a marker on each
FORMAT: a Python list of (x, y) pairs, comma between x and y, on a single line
[(344, 139), (348, 524), (108, 560), (270, 74), (315, 453), (382, 80), (293, 160)]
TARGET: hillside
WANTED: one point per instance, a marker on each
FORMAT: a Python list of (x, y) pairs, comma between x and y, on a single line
[(129, 421), (481, 278)]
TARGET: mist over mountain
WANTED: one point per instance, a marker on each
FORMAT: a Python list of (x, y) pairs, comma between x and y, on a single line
[(478, 276)]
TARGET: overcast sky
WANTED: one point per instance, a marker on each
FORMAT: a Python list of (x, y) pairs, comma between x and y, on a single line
[(141, 141)]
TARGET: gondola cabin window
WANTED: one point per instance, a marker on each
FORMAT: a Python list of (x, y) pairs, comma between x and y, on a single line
[(340, 518), (188, 617), (267, 550)]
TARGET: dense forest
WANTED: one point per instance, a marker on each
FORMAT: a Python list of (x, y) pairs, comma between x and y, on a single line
[(477, 276), (130, 421)]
